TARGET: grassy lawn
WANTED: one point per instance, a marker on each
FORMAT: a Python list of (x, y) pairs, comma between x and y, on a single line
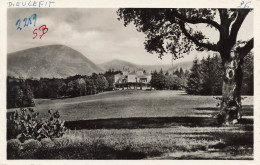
[(140, 125), (129, 104), (154, 143)]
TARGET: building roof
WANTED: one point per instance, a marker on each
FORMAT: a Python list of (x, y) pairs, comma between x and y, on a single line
[(142, 76), (135, 73), (118, 74), (147, 74)]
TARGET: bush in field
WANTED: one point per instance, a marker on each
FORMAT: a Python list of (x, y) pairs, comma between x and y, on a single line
[(24, 125)]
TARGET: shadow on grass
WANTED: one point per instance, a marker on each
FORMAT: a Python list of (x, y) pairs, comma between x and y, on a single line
[(248, 110), (146, 122), (94, 151), (207, 109)]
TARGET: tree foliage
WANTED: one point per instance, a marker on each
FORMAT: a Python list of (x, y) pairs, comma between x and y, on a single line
[(168, 30), (175, 81), (19, 93), (248, 75), (205, 76), (158, 80), (194, 79), (177, 32)]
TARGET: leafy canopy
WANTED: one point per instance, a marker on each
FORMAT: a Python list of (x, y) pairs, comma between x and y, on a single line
[(168, 31)]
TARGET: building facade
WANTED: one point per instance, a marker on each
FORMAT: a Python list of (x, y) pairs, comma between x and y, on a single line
[(132, 78)]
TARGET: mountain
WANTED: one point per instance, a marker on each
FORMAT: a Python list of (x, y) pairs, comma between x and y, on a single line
[(120, 64), (117, 65), (49, 61)]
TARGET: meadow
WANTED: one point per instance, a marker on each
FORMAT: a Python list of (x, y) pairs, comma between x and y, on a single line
[(132, 103), (134, 124)]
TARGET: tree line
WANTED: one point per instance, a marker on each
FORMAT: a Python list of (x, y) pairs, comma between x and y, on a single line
[(206, 76), (20, 92), (169, 81)]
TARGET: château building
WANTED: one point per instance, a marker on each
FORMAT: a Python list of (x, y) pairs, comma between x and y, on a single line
[(132, 78)]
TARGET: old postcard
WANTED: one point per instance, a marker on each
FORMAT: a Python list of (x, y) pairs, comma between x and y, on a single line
[(129, 80)]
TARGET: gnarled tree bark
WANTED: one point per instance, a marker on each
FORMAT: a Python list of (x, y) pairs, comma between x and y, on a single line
[(231, 107)]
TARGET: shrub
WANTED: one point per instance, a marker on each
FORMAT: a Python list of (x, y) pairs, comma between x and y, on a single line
[(13, 147), (47, 143), (29, 147), (25, 125)]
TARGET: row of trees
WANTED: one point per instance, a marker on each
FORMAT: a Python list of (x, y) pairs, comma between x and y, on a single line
[(175, 81), (20, 92), (206, 76), (73, 86)]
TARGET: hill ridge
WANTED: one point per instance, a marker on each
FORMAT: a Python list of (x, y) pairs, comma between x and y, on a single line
[(119, 64), (49, 61)]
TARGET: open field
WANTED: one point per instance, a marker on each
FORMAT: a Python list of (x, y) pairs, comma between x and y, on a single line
[(140, 125), (130, 103)]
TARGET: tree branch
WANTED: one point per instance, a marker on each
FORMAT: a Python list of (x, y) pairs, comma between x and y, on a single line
[(243, 51), (237, 24), (196, 20), (212, 47)]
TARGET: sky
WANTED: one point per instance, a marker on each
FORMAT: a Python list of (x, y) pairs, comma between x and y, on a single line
[(96, 33)]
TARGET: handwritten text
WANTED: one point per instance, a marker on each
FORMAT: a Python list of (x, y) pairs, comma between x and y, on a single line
[(26, 22), (30, 3), (244, 4), (43, 29)]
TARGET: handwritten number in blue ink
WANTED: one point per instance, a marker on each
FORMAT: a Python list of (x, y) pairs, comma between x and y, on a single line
[(19, 24), (29, 21), (241, 4), (25, 22), (34, 18), (244, 5)]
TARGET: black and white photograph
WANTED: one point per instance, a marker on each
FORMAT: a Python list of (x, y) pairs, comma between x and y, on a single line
[(130, 83)]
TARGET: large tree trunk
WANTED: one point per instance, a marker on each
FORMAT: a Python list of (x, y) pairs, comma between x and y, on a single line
[(230, 108)]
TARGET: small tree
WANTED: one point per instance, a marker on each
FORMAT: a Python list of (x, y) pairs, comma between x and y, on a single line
[(158, 80), (206, 76), (217, 74), (194, 79)]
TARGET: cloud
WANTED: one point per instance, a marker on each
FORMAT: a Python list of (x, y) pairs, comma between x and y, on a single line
[(94, 32), (132, 42)]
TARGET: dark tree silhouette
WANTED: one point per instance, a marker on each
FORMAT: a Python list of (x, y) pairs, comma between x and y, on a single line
[(194, 79), (168, 31)]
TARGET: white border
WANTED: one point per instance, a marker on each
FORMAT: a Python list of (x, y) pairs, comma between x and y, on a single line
[(132, 3)]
